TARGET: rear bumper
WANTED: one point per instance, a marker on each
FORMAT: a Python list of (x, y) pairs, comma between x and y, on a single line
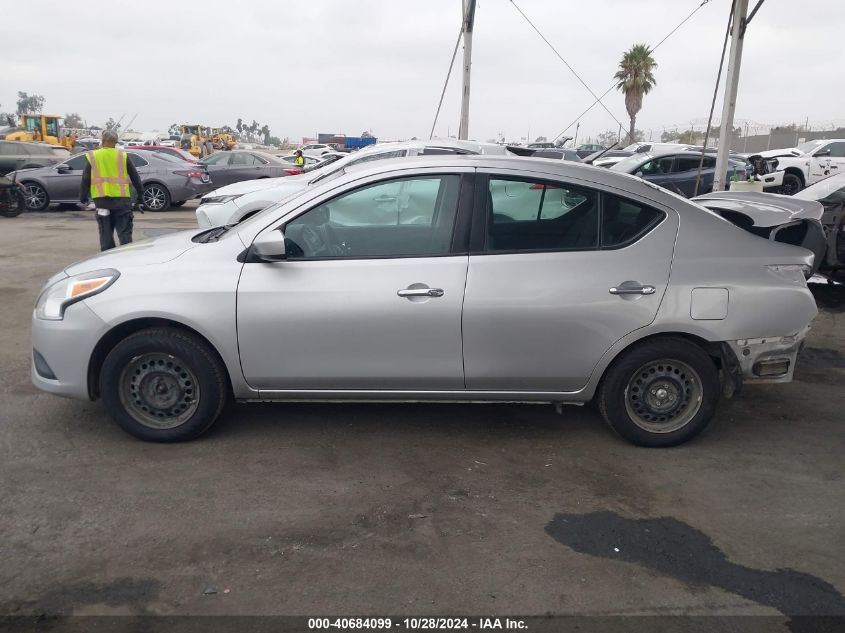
[(768, 360)]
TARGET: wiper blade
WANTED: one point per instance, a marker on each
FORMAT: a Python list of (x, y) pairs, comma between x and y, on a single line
[(211, 235)]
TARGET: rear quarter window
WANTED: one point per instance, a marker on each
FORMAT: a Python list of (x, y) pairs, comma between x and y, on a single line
[(625, 221)]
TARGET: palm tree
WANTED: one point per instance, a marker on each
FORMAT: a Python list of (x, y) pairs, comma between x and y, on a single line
[(635, 80)]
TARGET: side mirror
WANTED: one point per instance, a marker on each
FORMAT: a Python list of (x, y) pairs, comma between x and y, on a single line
[(63, 169), (269, 247), (639, 174), (824, 152)]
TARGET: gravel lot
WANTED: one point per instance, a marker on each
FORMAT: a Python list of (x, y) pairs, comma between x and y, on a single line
[(388, 509)]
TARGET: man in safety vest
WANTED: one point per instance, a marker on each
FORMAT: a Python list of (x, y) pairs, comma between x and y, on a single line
[(299, 159), (106, 181)]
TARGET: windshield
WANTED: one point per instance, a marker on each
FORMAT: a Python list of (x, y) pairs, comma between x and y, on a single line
[(831, 189), (809, 147), (629, 165)]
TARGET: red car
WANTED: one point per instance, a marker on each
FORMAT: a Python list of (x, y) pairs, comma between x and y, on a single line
[(170, 151)]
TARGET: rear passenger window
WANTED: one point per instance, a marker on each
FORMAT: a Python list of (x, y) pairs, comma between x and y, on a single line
[(137, 161), (625, 221), (536, 216)]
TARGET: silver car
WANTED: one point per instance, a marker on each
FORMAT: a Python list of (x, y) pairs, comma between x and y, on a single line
[(460, 278)]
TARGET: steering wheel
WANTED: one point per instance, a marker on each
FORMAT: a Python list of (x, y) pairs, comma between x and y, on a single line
[(314, 242)]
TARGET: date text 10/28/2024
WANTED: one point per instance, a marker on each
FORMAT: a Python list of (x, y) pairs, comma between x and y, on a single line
[(416, 624)]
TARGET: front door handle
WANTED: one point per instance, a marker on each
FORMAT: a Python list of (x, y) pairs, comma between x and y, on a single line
[(624, 289), (420, 292)]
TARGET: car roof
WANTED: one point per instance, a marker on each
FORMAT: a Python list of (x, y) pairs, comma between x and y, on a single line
[(449, 143), (555, 168)]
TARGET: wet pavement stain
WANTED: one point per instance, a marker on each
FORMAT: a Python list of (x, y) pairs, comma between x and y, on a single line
[(676, 549), (821, 358), (134, 593)]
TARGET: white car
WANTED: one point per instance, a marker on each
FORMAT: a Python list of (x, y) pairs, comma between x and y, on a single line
[(316, 149), (232, 203), (790, 170)]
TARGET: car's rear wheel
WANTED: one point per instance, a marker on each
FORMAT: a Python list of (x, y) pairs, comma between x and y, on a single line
[(35, 196), (155, 197), (178, 204), (662, 392), (791, 185), (163, 385)]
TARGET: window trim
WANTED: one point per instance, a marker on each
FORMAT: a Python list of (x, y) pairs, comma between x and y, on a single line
[(479, 220), (458, 244)]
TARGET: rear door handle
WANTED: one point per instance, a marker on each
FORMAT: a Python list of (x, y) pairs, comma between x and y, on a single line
[(420, 292), (632, 290)]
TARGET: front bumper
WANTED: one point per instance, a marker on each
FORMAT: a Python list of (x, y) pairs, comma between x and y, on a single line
[(65, 349), (768, 360)]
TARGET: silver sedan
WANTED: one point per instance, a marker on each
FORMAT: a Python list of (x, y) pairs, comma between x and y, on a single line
[(460, 278)]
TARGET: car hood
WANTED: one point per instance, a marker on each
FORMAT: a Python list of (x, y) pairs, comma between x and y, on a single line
[(249, 186), (156, 250), (764, 209)]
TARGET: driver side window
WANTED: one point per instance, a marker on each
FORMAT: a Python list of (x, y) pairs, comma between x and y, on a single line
[(408, 217)]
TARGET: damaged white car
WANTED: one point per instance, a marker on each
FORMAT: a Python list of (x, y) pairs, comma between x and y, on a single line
[(789, 171)]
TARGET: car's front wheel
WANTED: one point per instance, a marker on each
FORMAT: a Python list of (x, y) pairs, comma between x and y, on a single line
[(661, 392), (163, 385), (791, 185), (155, 197), (35, 196)]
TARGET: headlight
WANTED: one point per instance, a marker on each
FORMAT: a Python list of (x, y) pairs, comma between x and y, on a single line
[(219, 199), (55, 299)]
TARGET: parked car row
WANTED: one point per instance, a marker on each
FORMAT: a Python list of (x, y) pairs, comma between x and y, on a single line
[(167, 181)]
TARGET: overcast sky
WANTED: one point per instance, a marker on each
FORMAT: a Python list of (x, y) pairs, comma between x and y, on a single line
[(350, 65)]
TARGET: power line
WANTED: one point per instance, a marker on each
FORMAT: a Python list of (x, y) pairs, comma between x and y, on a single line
[(613, 85), (572, 70), (446, 83)]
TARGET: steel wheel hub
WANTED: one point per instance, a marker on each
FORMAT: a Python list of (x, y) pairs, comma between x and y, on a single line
[(159, 391), (663, 396)]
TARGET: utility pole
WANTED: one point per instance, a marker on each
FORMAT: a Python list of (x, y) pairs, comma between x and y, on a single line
[(469, 20), (731, 85)]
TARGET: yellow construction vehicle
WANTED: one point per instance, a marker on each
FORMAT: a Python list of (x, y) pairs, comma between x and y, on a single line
[(44, 128), (196, 139), (222, 140)]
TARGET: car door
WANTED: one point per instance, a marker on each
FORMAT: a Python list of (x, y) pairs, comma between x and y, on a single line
[(657, 170), (369, 296), (827, 160), (243, 166), (558, 272), (217, 166), (63, 180), (10, 160)]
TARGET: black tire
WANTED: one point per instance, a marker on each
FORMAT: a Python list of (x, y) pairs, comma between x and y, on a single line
[(163, 385), (641, 391), (792, 184), (13, 205), (155, 197), (36, 197), (178, 204)]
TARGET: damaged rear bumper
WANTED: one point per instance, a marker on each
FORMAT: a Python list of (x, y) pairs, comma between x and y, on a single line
[(765, 360)]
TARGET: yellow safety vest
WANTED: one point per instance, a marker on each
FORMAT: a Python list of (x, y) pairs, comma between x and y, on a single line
[(109, 176), (299, 160)]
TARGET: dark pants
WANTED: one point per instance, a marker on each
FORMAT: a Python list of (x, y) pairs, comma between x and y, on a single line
[(115, 221)]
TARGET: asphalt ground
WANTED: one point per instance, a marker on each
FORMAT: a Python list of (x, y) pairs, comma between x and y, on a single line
[(412, 508)]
